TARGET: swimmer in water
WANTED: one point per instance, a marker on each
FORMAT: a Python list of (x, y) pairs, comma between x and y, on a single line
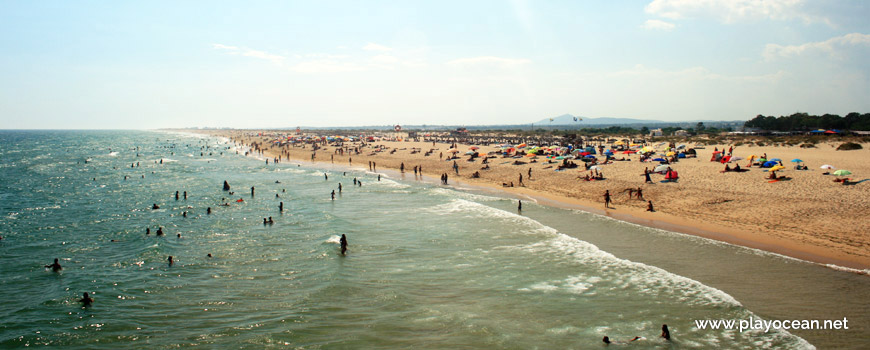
[(665, 332), (155, 206), (333, 194), (343, 242), (86, 299), (607, 340), (208, 211), (55, 267), (170, 260), (160, 231), (147, 230), (209, 255), (270, 221)]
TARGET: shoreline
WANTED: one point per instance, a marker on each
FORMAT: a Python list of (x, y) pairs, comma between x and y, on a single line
[(623, 211)]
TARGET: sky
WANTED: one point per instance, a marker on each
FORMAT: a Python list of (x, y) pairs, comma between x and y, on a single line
[(270, 64)]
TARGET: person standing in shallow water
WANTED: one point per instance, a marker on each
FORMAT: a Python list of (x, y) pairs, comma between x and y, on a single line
[(55, 267), (343, 242), (86, 299), (607, 199)]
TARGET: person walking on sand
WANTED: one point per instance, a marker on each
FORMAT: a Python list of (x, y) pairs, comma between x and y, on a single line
[(649, 207), (530, 173), (607, 199), (639, 193), (648, 180), (521, 179)]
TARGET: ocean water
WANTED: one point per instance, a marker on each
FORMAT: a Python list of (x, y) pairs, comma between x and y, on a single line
[(428, 266)]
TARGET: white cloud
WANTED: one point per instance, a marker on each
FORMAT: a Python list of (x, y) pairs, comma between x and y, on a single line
[(385, 59), (326, 66), (224, 47), (832, 47), (263, 55), (376, 47), (730, 11), (235, 50), (654, 24), (489, 61), (695, 73)]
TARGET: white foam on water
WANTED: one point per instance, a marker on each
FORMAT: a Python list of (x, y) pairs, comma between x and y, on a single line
[(865, 272), (113, 154), (333, 239), (388, 183), (621, 273), (464, 195)]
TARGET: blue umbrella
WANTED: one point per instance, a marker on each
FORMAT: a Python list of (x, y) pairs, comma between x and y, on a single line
[(776, 160), (768, 164), (796, 161), (658, 160)]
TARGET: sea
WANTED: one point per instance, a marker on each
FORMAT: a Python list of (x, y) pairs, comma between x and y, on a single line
[(428, 266)]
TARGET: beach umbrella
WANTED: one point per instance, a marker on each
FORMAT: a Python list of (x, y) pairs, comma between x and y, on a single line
[(658, 160), (521, 145), (734, 159), (796, 160), (778, 167), (661, 168), (594, 167), (560, 158), (826, 166), (768, 164), (473, 148), (470, 153), (776, 160), (453, 150), (842, 172), (670, 154), (530, 155)]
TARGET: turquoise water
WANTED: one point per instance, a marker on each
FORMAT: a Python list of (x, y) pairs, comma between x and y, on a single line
[(427, 266)]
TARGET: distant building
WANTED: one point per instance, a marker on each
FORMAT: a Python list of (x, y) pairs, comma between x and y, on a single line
[(655, 132), (680, 133)]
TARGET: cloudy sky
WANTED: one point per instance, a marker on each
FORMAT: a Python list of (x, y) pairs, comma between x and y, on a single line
[(152, 64)]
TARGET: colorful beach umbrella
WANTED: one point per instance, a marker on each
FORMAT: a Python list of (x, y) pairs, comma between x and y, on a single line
[(842, 172), (473, 148), (778, 167), (776, 160), (826, 166), (661, 168), (796, 161)]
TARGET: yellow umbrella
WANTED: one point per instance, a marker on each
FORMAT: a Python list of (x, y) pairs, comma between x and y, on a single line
[(775, 168), (670, 154)]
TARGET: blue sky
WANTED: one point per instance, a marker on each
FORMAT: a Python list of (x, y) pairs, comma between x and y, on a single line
[(153, 64)]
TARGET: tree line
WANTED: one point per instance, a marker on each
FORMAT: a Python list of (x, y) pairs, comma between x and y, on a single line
[(806, 122)]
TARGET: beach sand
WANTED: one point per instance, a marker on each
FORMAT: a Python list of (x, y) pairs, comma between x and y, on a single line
[(809, 217)]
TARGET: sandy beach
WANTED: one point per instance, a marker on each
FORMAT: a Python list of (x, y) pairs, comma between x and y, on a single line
[(809, 217)]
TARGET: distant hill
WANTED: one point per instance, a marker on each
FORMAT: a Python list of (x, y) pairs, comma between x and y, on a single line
[(568, 119)]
